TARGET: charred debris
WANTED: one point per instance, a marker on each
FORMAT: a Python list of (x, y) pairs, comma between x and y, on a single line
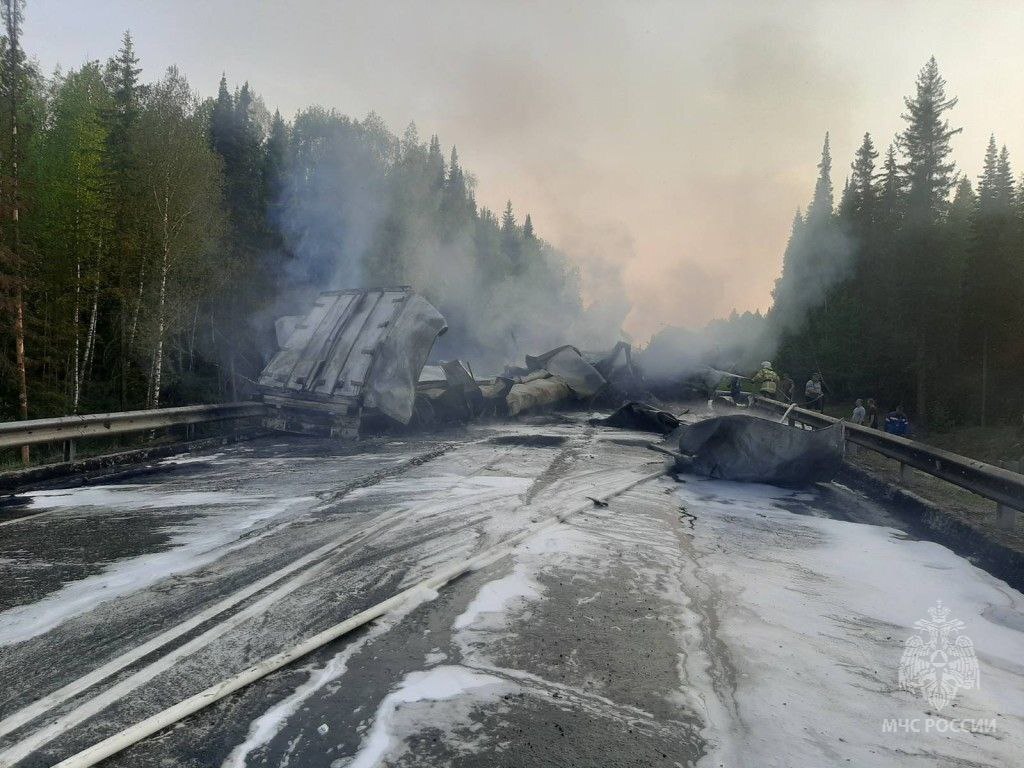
[(357, 363)]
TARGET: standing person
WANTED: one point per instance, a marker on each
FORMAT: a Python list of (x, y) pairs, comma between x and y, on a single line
[(766, 380), (814, 397), (897, 423), (857, 417), (736, 390), (872, 413), (786, 387), (859, 412)]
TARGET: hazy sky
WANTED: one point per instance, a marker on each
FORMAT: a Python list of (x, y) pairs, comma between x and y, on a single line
[(669, 140)]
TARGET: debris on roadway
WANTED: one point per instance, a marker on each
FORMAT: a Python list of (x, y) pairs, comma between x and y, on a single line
[(356, 354), (641, 417), (357, 362), (753, 450), (359, 358)]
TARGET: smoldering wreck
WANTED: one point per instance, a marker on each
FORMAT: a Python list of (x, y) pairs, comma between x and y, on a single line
[(358, 363)]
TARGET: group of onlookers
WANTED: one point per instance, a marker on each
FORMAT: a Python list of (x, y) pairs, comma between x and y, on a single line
[(770, 384), (896, 421)]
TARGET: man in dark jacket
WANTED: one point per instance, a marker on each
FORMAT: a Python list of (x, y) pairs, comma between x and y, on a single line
[(897, 423)]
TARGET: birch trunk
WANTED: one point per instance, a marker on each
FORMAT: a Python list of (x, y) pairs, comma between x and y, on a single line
[(158, 352), (90, 341), (19, 354), (76, 354), (138, 306), (192, 339)]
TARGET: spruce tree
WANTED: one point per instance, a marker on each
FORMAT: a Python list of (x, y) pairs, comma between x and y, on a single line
[(275, 160), (1004, 181), (992, 288), (511, 240), (435, 165), (820, 208), (863, 196), (927, 271), (929, 171), (987, 181), (125, 244), (890, 194)]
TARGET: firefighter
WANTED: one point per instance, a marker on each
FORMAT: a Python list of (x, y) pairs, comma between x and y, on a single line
[(766, 380)]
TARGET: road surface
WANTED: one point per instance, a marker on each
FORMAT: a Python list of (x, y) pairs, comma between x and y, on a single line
[(688, 622)]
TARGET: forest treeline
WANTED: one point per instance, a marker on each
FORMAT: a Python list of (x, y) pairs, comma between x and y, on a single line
[(911, 288), (908, 289), (150, 237)]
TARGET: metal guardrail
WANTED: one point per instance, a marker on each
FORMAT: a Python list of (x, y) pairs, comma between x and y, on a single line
[(69, 428), (1002, 486)]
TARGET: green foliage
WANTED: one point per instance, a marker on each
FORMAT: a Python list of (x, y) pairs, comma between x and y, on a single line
[(929, 310), (161, 235)]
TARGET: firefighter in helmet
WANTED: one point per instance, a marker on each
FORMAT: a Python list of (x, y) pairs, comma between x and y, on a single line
[(766, 380)]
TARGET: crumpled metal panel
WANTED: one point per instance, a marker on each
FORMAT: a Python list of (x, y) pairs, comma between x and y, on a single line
[(357, 347), (390, 385)]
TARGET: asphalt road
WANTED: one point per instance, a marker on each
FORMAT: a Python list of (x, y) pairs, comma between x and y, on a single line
[(687, 622)]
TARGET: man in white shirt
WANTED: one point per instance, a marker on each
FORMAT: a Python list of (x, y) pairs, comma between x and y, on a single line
[(814, 397)]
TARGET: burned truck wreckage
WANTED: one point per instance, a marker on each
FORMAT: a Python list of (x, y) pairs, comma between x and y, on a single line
[(357, 354), (357, 363)]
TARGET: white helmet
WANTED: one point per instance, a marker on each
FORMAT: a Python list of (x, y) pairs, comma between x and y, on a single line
[(766, 364)]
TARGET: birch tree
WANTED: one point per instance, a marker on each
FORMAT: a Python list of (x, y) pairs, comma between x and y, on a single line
[(71, 214), (181, 181)]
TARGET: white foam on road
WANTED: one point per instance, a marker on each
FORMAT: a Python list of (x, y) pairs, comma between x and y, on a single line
[(264, 728), (438, 684), (189, 458), (215, 531), (453, 691), (495, 597), (814, 613), (809, 613), (117, 497)]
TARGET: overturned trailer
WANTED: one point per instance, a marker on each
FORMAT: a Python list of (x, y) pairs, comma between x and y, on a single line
[(356, 355)]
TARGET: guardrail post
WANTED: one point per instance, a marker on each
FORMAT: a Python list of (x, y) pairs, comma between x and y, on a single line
[(1006, 517), (902, 476), (69, 450)]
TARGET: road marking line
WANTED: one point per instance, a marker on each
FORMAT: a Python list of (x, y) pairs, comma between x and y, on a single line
[(147, 727), (111, 695), (30, 712)]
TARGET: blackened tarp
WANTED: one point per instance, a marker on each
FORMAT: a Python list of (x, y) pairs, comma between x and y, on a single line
[(749, 449), (640, 416)]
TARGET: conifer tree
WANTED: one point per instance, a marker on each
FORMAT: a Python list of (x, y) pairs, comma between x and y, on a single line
[(890, 195), (987, 180), (929, 171), (993, 292), (863, 196), (927, 271), (13, 86), (820, 208), (125, 241), (274, 163)]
